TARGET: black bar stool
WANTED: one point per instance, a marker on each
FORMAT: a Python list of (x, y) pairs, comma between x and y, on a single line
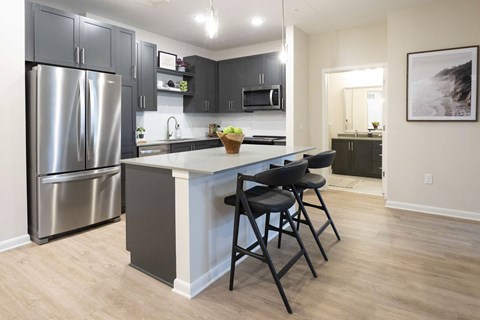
[(263, 200), (315, 182)]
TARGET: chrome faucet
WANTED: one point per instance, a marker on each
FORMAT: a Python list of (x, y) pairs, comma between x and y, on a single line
[(170, 134)]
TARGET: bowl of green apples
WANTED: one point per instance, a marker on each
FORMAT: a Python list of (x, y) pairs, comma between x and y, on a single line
[(232, 138)]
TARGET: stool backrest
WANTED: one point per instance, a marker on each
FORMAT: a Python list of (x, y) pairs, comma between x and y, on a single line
[(320, 160), (283, 176)]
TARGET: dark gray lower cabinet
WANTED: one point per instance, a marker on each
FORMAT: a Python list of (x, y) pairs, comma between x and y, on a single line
[(150, 221), (196, 145), (357, 157)]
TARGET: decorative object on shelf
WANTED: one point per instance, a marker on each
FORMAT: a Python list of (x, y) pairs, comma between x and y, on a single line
[(141, 132), (442, 85), (182, 65), (167, 60), (375, 124), (231, 141), (183, 86)]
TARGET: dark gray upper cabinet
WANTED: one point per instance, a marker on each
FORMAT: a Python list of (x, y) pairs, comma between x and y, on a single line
[(204, 85), (56, 36), (147, 76), (61, 38), (125, 60), (264, 69), (230, 79), (97, 45), (252, 71), (29, 32), (273, 69)]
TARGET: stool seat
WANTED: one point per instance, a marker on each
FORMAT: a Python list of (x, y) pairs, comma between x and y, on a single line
[(265, 199), (311, 181)]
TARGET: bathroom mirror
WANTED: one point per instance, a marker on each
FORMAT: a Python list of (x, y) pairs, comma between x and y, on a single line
[(363, 105)]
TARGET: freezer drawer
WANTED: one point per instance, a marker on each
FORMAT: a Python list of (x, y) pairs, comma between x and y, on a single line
[(67, 202)]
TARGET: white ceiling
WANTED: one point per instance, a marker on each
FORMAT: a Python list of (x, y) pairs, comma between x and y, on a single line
[(174, 19)]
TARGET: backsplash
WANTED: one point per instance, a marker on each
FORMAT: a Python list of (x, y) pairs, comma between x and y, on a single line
[(196, 125)]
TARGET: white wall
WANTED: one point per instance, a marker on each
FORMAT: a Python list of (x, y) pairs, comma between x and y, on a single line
[(342, 49), (13, 198), (448, 150)]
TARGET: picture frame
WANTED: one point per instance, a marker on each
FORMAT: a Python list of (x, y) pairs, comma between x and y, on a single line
[(167, 60), (442, 85)]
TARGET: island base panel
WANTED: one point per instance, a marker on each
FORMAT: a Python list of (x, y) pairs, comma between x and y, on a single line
[(150, 215)]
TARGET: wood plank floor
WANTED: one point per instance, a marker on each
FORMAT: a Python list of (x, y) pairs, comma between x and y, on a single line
[(390, 264)]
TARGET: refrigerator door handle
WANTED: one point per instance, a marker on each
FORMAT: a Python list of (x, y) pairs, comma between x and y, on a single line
[(80, 121), (90, 137), (81, 176)]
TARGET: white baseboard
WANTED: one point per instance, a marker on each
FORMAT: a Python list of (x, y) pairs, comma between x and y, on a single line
[(468, 215), (14, 242), (190, 290)]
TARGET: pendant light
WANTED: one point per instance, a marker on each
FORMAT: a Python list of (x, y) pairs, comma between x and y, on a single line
[(211, 22), (283, 56)]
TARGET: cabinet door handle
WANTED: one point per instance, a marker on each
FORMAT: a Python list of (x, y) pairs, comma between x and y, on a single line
[(140, 102), (82, 55), (381, 155), (352, 145), (134, 71), (259, 78), (263, 78), (77, 55), (144, 102)]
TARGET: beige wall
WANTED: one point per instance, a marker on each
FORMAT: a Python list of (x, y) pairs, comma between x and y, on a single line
[(297, 72), (353, 47), (448, 150), (13, 212)]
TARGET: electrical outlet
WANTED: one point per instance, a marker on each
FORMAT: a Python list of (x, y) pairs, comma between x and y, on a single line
[(428, 178)]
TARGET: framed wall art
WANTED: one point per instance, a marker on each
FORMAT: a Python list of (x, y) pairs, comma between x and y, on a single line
[(167, 60), (442, 85)]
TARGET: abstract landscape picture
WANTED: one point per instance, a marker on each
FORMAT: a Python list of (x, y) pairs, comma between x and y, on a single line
[(442, 85)]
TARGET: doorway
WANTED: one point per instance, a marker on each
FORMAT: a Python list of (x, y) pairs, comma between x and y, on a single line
[(354, 109)]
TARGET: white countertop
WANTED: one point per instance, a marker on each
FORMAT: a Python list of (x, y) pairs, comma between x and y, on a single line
[(358, 138), (215, 160)]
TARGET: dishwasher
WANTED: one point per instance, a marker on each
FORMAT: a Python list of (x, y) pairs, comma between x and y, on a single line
[(153, 150)]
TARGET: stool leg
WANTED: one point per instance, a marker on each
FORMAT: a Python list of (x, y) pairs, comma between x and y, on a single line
[(310, 226), (300, 243), (268, 260), (236, 225), (327, 213), (267, 223), (280, 232)]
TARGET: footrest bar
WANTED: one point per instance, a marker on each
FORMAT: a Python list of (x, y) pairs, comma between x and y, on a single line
[(289, 264), (307, 204), (249, 253), (325, 225)]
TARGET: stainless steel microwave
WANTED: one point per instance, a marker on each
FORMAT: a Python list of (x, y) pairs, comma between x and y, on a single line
[(262, 98)]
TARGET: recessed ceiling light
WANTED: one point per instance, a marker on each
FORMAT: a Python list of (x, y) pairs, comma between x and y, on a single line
[(257, 21)]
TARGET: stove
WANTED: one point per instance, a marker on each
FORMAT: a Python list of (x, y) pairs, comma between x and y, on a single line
[(269, 140)]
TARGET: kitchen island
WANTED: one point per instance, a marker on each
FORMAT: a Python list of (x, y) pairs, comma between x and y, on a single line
[(179, 231)]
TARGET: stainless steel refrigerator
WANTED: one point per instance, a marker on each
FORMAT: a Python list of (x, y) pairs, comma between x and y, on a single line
[(73, 157)]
